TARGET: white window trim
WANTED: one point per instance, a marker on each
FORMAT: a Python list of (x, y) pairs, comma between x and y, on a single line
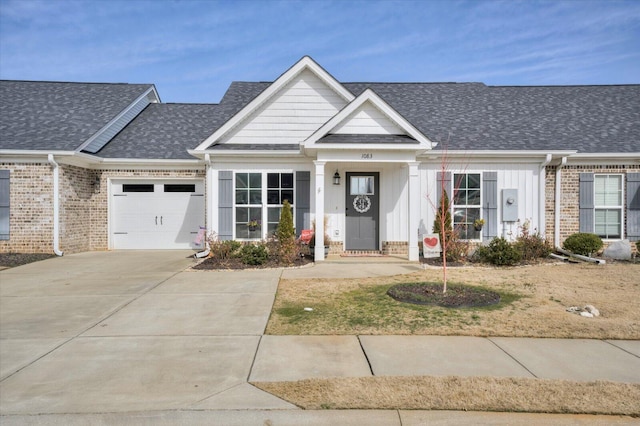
[(466, 206), (621, 207), (264, 224)]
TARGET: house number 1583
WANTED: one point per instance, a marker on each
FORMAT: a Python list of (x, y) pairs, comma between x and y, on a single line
[(367, 156)]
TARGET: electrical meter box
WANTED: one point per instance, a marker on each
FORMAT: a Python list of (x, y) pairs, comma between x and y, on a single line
[(509, 205)]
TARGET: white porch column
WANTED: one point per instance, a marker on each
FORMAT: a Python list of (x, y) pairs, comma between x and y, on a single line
[(319, 191), (414, 210)]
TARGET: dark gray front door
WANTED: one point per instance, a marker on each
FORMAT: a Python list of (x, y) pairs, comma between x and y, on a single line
[(362, 211)]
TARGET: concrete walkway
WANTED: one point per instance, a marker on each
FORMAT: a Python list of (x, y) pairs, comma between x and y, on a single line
[(134, 338)]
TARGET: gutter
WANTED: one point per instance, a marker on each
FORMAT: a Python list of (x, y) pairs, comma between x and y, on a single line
[(556, 229), (542, 190), (209, 187), (56, 205)]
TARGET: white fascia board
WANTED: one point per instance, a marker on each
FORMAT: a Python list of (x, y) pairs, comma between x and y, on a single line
[(495, 154), (245, 154), (605, 158), (151, 91), (369, 96), (64, 157), (303, 64)]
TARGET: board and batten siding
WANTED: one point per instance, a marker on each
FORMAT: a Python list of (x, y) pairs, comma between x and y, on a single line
[(520, 176), (367, 119), (291, 115)]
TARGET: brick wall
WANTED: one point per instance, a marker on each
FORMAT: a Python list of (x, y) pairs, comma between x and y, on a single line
[(31, 208), (570, 202)]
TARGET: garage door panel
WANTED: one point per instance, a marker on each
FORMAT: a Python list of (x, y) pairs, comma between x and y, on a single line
[(157, 220)]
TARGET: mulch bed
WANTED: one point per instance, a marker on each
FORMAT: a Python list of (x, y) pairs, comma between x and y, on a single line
[(457, 296), (11, 260), (211, 263)]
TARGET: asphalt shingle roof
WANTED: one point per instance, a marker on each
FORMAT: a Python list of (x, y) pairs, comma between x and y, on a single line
[(459, 116), (473, 116), (165, 131), (38, 115)]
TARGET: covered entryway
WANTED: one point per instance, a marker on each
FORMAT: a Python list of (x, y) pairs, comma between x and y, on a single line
[(156, 214), (362, 211)]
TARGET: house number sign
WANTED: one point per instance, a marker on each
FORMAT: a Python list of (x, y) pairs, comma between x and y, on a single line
[(362, 203), (367, 156)]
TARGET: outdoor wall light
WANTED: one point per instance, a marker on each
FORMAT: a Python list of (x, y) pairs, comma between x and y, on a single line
[(336, 178)]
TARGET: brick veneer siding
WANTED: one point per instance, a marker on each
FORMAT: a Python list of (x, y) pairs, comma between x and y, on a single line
[(31, 208), (570, 202), (83, 206)]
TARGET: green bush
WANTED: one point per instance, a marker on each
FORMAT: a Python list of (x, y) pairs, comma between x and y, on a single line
[(638, 246), (224, 250), (254, 254), (287, 249), (582, 243), (499, 252), (532, 247)]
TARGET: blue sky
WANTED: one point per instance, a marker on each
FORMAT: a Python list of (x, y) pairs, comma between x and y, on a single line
[(193, 49)]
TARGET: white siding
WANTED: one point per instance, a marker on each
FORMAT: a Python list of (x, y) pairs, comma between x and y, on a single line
[(367, 119), (520, 176), (291, 115)]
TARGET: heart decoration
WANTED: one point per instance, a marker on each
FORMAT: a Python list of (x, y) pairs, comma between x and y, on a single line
[(431, 242)]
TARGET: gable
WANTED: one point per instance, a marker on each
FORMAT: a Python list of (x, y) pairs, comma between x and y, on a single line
[(290, 115), (369, 120)]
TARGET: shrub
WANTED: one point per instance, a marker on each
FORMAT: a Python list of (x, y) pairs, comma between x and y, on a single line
[(582, 243), (457, 249), (531, 246), (254, 254), (499, 252), (224, 250), (638, 246), (437, 223), (287, 249)]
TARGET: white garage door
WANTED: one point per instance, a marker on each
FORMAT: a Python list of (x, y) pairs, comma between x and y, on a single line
[(163, 214)]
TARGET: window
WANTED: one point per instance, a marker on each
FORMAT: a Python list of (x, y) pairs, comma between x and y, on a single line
[(180, 187), (361, 185), (250, 198), (466, 204), (138, 187), (248, 205), (608, 204), (279, 188)]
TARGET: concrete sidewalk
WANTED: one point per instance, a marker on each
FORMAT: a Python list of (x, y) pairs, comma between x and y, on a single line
[(136, 338)]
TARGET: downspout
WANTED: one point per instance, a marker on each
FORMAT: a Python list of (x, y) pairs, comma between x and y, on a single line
[(56, 205), (556, 229), (208, 183), (542, 191)]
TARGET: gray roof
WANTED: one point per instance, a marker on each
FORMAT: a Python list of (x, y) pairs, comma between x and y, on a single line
[(460, 116), (38, 115), (165, 131), (473, 116)]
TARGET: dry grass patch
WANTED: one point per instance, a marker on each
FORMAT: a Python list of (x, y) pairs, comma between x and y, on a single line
[(534, 302), (460, 393)]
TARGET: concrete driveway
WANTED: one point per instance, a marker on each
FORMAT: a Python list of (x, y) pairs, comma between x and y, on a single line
[(121, 331)]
